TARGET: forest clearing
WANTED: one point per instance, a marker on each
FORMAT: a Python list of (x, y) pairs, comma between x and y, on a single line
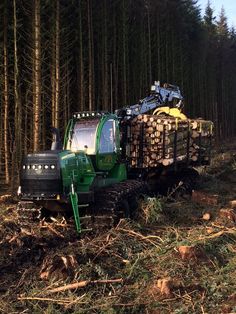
[(178, 257), (102, 209)]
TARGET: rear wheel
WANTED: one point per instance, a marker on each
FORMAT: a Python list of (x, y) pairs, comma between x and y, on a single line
[(188, 180)]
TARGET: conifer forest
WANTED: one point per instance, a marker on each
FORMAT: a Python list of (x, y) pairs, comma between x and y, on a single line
[(135, 213), (58, 57)]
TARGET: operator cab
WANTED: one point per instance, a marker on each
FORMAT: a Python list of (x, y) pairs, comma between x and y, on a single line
[(96, 136)]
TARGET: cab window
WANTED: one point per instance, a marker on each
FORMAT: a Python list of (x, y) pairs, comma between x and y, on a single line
[(84, 136), (107, 140)]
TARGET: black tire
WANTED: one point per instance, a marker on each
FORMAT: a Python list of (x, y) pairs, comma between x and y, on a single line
[(189, 179)]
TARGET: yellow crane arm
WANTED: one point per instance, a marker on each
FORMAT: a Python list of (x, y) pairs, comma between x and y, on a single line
[(173, 112)]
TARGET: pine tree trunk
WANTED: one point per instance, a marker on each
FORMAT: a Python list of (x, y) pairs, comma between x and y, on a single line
[(67, 93), (18, 107), (149, 47), (6, 97), (81, 63), (124, 35), (158, 50), (91, 58), (53, 85), (105, 61), (115, 61), (57, 65), (36, 76)]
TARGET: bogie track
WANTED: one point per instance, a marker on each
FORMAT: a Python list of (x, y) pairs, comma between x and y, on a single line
[(119, 200), (111, 204)]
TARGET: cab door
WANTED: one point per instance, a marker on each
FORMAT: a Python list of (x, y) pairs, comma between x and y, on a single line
[(108, 145)]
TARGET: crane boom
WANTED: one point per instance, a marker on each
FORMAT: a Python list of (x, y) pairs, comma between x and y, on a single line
[(168, 95)]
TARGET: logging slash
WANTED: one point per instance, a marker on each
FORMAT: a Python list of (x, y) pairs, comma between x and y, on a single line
[(83, 284)]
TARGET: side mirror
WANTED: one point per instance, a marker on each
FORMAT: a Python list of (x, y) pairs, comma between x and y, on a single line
[(56, 140)]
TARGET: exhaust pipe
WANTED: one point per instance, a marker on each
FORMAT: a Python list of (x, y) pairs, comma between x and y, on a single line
[(56, 140)]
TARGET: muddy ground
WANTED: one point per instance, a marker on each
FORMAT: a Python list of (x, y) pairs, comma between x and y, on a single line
[(178, 257)]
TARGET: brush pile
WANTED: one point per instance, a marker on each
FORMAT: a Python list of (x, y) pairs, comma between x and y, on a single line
[(156, 140)]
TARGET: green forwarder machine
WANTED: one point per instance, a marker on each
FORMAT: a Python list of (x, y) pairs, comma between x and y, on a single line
[(93, 174)]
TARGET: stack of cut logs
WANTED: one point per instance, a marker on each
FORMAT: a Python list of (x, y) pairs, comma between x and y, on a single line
[(156, 140)]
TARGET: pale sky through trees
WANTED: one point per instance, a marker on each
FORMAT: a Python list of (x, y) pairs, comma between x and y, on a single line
[(229, 6)]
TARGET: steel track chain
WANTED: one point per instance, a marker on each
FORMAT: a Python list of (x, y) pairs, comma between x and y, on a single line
[(104, 213), (109, 200)]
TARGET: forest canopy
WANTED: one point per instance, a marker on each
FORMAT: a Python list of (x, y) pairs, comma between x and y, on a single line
[(61, 56)]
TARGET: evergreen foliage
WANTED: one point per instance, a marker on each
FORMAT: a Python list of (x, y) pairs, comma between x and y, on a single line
[(104, 55)]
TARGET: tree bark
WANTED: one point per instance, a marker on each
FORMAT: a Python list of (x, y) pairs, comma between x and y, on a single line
[(81, 62), (6, 96), (18, 106), (57, 66), (91, 58), (36, 76), (124, 35), (149, 45), (105, 61)]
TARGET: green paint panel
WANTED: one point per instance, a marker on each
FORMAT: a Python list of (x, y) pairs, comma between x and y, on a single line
[(76, 168), (106, 161), (118, 172)]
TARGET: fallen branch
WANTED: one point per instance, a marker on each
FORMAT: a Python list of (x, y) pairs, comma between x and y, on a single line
[(83, 284), (53, 230), (13, 238), (223, 227), (218, 234), (147, 238), (44, 299), (109, 242), (65, 302)]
